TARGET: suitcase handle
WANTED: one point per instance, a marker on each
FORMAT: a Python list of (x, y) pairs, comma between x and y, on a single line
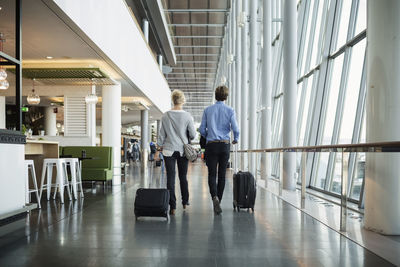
[(235, 151)]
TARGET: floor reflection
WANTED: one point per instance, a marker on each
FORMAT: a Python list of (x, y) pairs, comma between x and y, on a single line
[(100, 230)]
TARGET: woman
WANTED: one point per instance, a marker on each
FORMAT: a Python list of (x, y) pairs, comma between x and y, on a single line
[(177, 128)]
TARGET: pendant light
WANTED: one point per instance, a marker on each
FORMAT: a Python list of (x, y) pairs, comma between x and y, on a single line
[(92, 98), (33, 98), (3, 74)]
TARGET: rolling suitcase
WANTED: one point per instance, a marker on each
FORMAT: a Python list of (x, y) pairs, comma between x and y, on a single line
[(244, 189), (152, 202), (158, 163)]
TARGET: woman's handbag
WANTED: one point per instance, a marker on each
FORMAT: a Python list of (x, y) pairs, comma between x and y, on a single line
[(189, 150)]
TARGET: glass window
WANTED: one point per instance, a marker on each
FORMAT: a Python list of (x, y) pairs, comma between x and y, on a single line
[(359, 175), (318, 26), (332, 100), (305, 110), (352, 93), (344, 23), (306, 42), (361, 23), (323, 159)]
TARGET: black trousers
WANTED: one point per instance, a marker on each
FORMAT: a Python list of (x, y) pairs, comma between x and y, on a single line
[(170, 163), (217, 159)]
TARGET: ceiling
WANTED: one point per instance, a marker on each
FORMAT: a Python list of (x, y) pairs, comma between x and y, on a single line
[(197, 28), (45, 34)]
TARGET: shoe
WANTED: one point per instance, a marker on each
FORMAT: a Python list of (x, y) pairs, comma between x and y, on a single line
[(172, 212), (185, 205), (217, 207)]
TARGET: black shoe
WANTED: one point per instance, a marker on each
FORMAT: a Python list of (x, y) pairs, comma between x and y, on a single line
[(217, 207)]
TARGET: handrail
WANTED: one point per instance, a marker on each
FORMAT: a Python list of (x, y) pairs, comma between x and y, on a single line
[(345, 149), (393, 146)]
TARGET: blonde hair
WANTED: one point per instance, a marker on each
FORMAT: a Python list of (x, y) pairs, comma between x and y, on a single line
[(178, 97)]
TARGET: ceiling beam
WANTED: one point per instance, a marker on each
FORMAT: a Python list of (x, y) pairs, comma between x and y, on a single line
[(182, 10), (199, 36), (197, 24), (198, 46), (199, 55)]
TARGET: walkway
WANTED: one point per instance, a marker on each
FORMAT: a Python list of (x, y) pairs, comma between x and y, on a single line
[(101, 231)]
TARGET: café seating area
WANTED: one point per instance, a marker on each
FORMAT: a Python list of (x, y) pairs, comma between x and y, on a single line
[(96, 161)]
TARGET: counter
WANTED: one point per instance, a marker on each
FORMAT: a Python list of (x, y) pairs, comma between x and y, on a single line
[(12, 173)]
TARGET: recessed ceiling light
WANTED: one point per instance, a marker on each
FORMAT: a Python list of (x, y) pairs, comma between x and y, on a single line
[(49, 57)]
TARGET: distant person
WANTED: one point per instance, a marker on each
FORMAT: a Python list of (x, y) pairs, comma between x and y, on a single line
[(217, 122), (177, 129), (129, 152), (135, 151), (153, 150)]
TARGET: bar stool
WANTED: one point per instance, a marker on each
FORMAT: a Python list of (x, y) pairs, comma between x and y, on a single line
[(29, 166), (76, 178), (61, 178)]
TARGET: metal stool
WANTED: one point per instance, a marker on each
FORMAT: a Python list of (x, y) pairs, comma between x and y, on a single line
[(61, 178), (29, 165), (76, 178)]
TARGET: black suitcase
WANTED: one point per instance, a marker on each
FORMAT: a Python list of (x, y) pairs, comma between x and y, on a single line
[(244, 191), (158, 163), (151, 202)]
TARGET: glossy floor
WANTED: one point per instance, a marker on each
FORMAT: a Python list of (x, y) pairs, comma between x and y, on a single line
[(100, 230)]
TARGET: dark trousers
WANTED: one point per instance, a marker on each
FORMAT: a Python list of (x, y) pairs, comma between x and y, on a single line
[(182, 172), (217, 158)]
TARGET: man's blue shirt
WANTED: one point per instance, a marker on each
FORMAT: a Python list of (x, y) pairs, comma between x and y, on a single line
[(218, 121)]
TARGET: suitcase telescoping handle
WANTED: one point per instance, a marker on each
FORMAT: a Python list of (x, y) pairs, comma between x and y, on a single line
[(235, 155)]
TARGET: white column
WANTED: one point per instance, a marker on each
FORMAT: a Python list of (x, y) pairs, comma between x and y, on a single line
[(233, 51), (238, 63), (289, 92), (244, 124), (253, 84), (146, 29), (111, 126), (91, 111), (2, 112), (266, 90), (144, 134), (382, 177), (50, 122)]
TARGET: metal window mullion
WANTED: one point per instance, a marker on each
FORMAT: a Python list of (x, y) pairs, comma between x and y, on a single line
[(358, 124), (342, 92), (312, 35), (361, 98), (302, 33), (339, 115), (300, 111), (320, 105)]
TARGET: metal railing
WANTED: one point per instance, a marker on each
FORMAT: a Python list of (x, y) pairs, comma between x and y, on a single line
[(345, 149)]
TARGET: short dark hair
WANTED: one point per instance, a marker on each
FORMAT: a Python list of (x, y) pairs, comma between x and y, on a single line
[(221, 93)]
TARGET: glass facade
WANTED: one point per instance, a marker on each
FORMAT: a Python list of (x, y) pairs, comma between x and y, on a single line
[(331, 88)]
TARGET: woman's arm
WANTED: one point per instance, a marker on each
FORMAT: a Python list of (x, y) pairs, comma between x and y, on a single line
[(191, 129), (162, 134)]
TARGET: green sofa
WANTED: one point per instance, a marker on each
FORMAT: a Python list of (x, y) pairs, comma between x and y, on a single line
[(97, 169)]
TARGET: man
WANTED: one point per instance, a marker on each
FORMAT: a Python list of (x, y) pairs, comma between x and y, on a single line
[(217, 123)]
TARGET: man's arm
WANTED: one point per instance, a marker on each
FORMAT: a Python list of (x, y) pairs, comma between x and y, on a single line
[(234, 127), (203, 125)]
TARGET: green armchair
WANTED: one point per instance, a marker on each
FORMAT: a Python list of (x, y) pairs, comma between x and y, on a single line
[(97, 169)]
